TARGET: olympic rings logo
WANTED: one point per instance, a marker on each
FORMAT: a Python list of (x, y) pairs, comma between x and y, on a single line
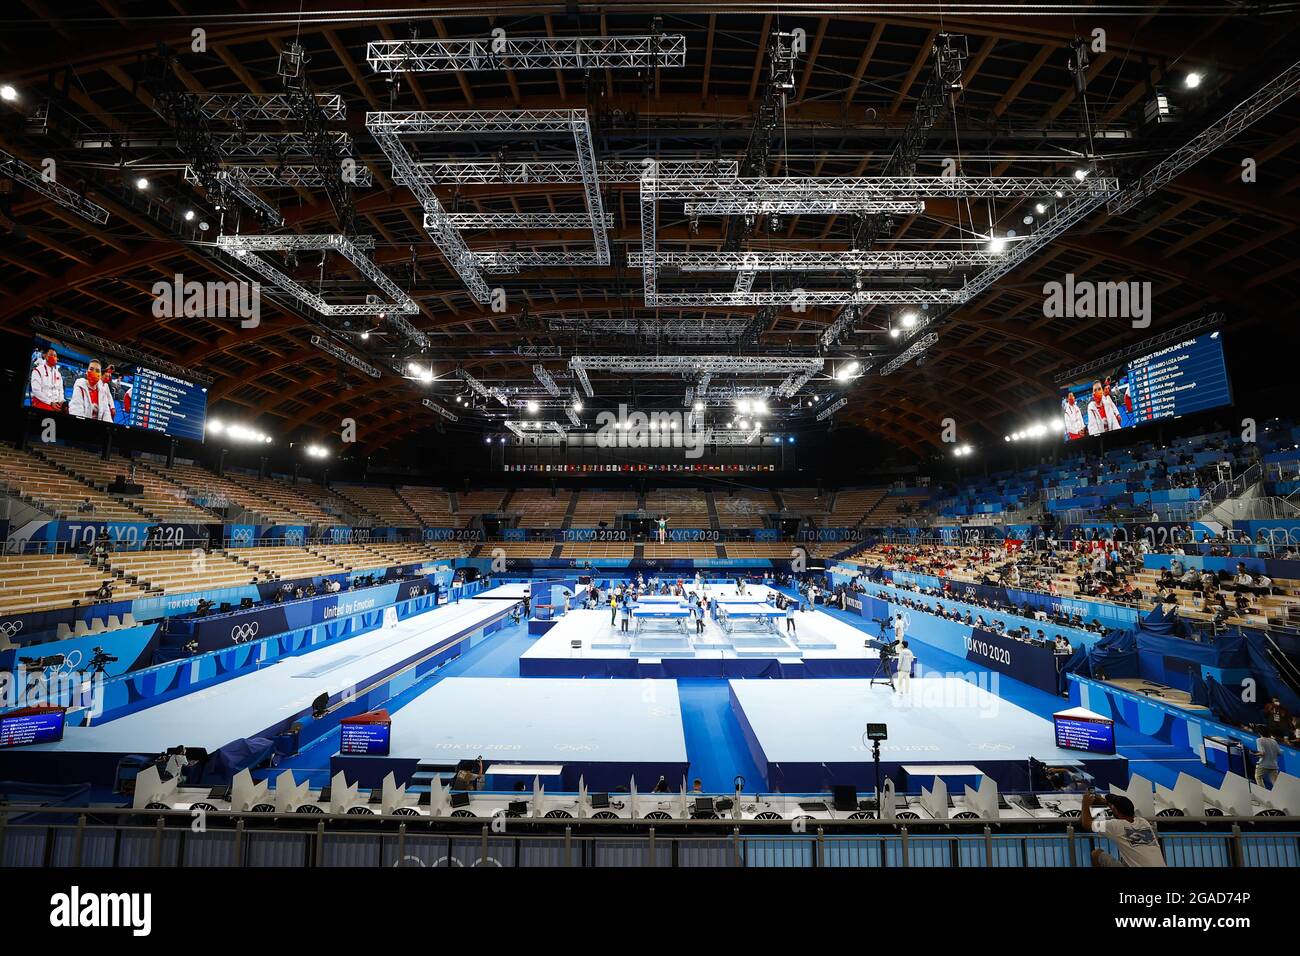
[(10, 628), (243, 632)]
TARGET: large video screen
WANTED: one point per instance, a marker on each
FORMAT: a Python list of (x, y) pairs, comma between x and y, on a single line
[(1179, 380), (72, 381)]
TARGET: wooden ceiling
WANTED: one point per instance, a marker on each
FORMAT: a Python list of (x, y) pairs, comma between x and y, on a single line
[(1207, 242)]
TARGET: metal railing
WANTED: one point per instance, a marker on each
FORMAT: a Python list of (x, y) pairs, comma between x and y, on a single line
[(61, 836)]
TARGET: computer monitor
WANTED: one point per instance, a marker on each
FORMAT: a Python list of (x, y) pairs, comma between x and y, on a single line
[(600, 801), (845, 796)]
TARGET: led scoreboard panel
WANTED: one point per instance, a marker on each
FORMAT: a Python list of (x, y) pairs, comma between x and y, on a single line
[(1179, 380), (73, 381)]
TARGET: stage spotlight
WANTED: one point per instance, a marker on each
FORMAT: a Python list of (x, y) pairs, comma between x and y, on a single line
[(216, 427), (1081, 174), (698, 406), (909, 319), (365, 334), (1192, 80), (893, 333), (532, 407), (8, 93), (189, 215), (847, 371), (142, 183), (1040, 208), (742, 405), (997, 245), (577, 406)]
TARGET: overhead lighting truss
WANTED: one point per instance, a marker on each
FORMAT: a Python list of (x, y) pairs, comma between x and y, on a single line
[(801, 207), (246, 250), (237, 145), (527, 53), (443, 226), (840, 327), (1077, 198), (400, 323), (483, 391), (524, 220), (444, 412), (832, 408), (35, 180), (803, 261), (241, 108), (521, 427), (694, 365), (1260, 103), (583, 380), (343, 355), (912, 351), (510, 262), (574, 420), (548, 383), (272, 176), (794, 382), (473, 172)]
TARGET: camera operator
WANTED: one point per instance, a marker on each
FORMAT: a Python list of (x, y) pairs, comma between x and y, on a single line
[(1134, 837)]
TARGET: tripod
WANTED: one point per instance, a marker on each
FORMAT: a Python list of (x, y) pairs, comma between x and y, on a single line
[(883, 675)]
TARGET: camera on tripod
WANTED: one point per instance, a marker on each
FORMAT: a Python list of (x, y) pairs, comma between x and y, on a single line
[(100, 660)]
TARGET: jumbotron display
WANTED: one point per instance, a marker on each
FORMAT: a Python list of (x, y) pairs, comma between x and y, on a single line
[(67, 379), (1179, 380)]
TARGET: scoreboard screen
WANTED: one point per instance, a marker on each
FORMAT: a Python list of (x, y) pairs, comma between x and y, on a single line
[(1080, 729), (35, 725), (70, 380), (1188, 377), (365, 739)]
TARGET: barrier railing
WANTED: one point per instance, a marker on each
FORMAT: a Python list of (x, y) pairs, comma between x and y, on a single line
[(79, 836)]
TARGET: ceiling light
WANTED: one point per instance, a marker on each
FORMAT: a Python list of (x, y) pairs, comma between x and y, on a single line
[(1191, 80), (8, 93), (893, 333), (698, 406), (1040, 208), (845, 372), (577, 406), (909, 319), (189, 215), (365, 334), (142, 183), (997, 245), (532, 407), (1081, 174)]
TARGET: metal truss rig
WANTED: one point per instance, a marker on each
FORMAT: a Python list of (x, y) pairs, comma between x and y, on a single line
[(521, 426), (1260, 103), (246, 249), (443, 228), (241, 108), (270, 176), (526, 53), (343, 355), (1071, 199), (34, 179), (475, 173), (483, 391), (691, 366), (800, 261)]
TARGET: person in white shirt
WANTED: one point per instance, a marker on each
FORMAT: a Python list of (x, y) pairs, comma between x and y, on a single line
[(1103, 416), (905, 658), (900, 627), (1072, 417), (1134, 837), (47, 383), (1266, 753), (91, 397)]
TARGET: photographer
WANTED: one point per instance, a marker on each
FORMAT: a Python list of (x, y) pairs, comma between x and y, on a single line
[(1134, 837)]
